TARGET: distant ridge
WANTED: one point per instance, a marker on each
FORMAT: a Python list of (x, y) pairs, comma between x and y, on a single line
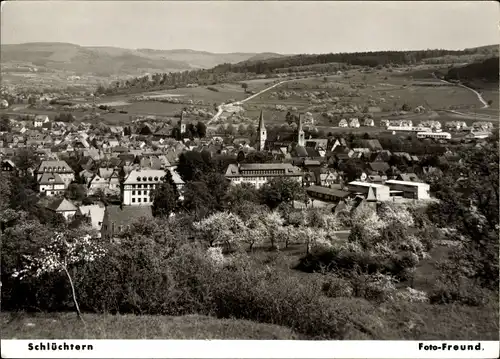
[(109, 60)]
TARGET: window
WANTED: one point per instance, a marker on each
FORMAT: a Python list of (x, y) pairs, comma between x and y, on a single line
[(145, 200), (138, 179), (139, 192), (133, 192), (99, 223), (133, 200), (139, 186), (150, 179), (156, 179), (144, 179), (139, 200)]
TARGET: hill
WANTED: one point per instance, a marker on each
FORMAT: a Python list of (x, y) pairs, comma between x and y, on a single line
[(204, 59), (487, 70), (106, 61)]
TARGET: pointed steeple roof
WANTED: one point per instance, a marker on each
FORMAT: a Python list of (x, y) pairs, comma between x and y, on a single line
[(261, 120), (371, 195)]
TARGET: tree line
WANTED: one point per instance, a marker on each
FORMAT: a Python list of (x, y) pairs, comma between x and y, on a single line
[(249, 69)]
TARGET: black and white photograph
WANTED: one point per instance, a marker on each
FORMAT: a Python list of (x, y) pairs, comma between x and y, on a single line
[(250, 170)]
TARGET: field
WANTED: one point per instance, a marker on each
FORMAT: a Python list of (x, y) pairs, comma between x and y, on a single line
[(388, 91), (383, 91), (68, 326)]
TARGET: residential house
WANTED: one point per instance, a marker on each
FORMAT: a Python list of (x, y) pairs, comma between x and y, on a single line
[(382, 156), (343, 123), (339, 143), (8, 166), (258, 174), (40, 120), (97, 183), (118, 219), (354, 123), (329, 178), (63, 207), (112, 176), (369, 122), (87, 176), (51, 184), (60, 168)]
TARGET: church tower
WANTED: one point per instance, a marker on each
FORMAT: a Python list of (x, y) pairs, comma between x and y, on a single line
[(182, 124), (301, 134), (262, 132)]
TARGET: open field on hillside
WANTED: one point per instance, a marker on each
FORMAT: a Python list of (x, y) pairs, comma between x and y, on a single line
[(152, 108), (107, 326), (391, 93)]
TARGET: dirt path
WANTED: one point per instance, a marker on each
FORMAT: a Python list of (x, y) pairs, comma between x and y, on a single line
[(479, 96)]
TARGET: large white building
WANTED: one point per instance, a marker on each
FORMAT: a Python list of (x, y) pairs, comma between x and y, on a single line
[(379, 191), (406, 189), (139, 184), (258, 174)]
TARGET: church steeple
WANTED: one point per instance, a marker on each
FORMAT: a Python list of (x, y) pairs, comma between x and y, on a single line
[(262, 132), (182, 123), (301, 134)]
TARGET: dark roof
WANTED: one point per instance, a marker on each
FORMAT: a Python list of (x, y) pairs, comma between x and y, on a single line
[(328, 191), (120, 149), (50, 178), (408, 177), (341, 149), (301, 151), (371, 144), (379, 166), (54, 166), (126, 214)]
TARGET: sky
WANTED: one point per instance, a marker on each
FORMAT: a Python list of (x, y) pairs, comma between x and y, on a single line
[(255, 26)]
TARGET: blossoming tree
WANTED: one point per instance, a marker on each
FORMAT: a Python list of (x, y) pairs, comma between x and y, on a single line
[(58, 255)]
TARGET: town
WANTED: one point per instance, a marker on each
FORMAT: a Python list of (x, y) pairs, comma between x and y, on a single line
[(249, 195)]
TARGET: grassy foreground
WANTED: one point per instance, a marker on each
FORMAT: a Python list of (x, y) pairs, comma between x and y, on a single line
[(104, 326)]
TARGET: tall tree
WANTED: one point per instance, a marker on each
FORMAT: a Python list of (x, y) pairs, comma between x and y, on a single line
[(165, 197), (5, 123), (280, 190), (193, 165), (201, 129)]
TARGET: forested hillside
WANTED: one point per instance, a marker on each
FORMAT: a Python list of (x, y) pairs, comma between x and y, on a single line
[(290, 64), (487, 70)]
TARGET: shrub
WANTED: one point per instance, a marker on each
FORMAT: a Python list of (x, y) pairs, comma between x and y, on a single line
[(412, 295), (337, 286), (461, 291)]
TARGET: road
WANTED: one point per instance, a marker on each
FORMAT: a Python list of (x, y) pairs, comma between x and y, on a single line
[(221, 108), (480, 98)]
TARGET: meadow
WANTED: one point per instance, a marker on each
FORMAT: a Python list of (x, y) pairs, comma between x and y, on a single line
[(20, 325)]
